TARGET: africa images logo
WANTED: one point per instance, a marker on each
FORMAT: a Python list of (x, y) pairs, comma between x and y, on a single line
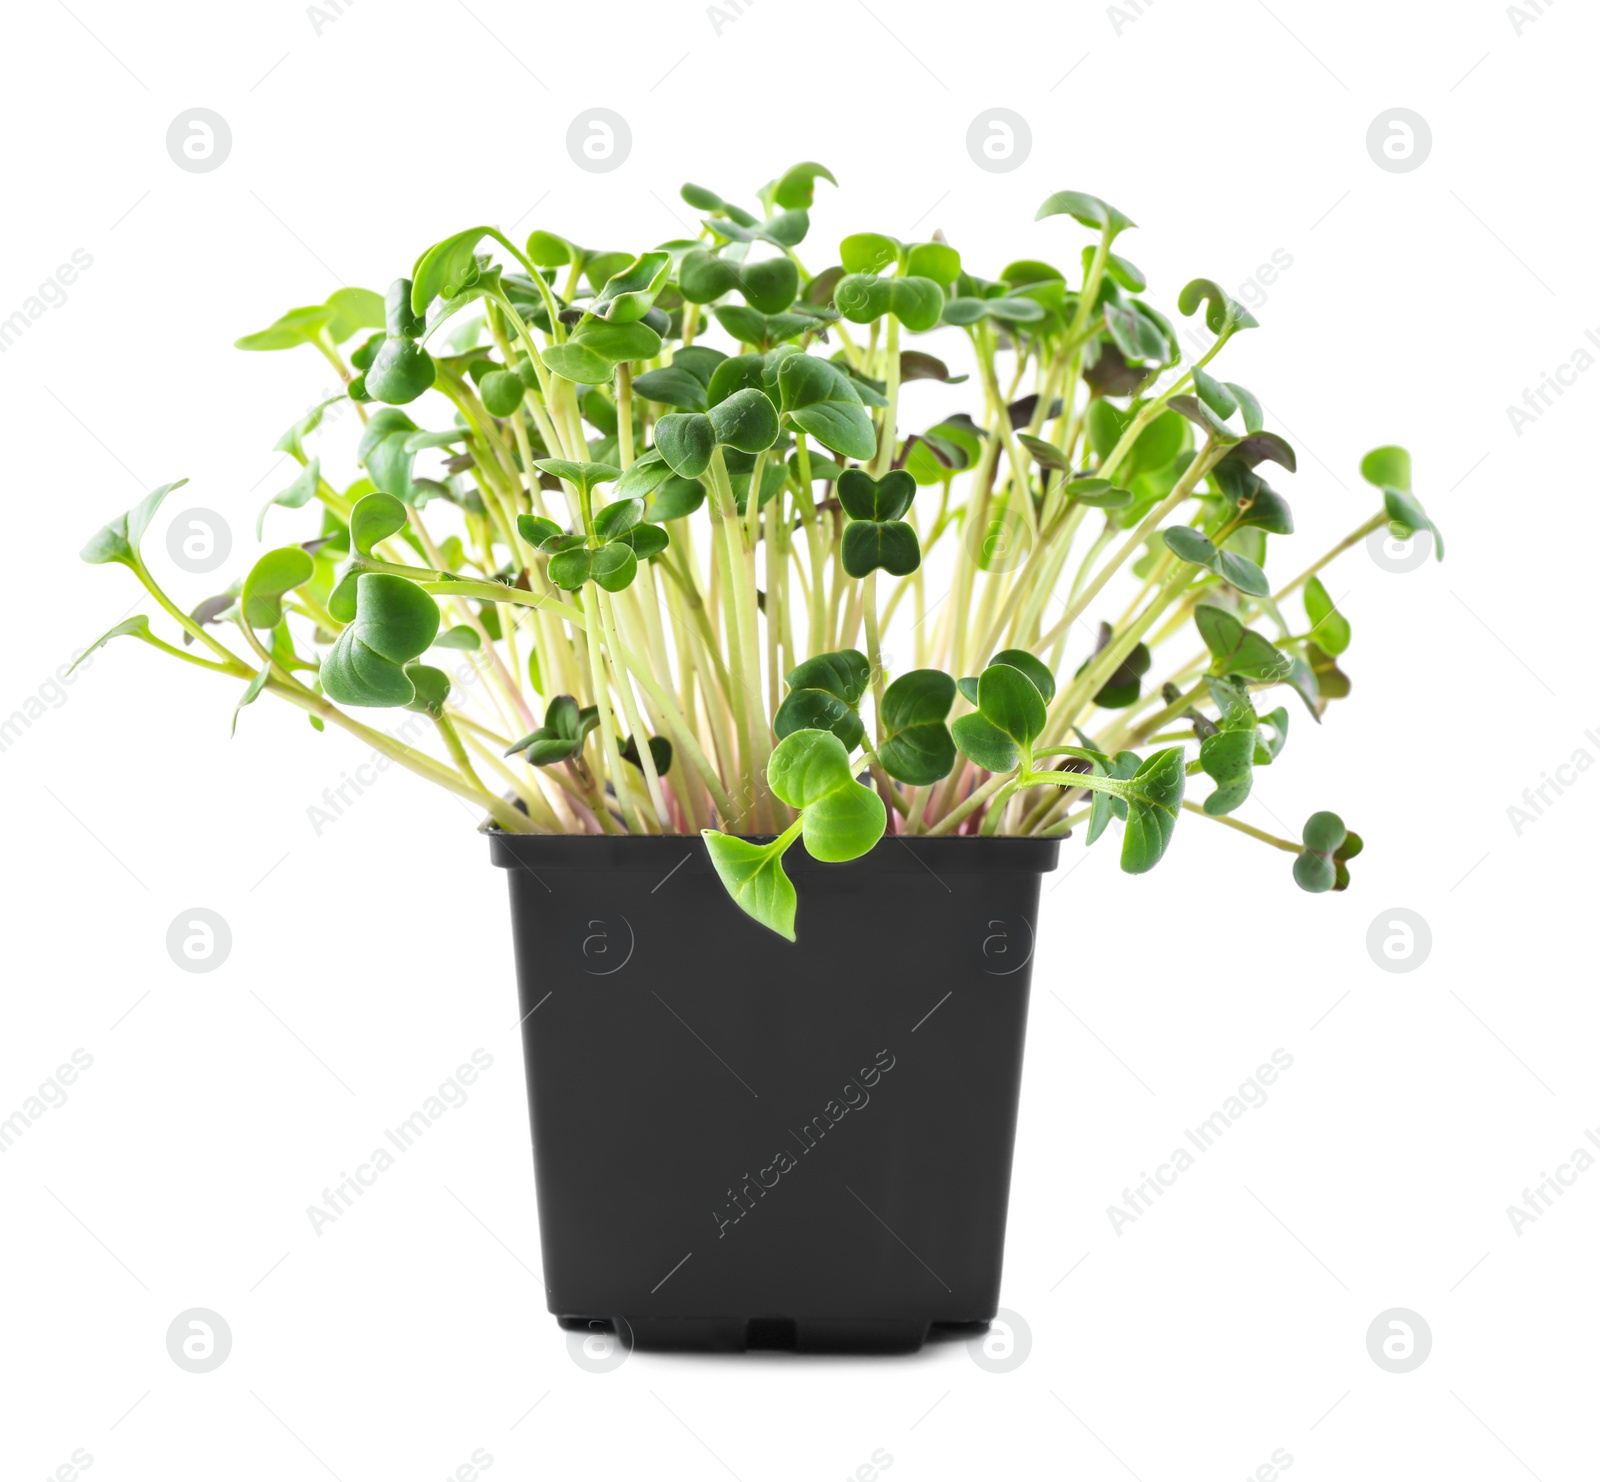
[(852, 1097)]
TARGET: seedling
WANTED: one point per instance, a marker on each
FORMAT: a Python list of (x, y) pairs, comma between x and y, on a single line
[(666, 510)]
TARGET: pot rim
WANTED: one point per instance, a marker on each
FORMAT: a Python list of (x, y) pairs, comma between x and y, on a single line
[(892, 854)]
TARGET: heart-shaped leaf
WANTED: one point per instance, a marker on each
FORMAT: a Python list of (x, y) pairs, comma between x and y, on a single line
[(810, 771), (874, 545), (1328, 844), (917, 747), (866, 498), (1010, 716), (394, 623)]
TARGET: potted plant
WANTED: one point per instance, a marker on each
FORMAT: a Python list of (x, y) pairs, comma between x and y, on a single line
[(634, 571)]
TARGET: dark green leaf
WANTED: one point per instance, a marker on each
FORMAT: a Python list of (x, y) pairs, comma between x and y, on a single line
[(871, 545), (917, 747), (1155, 794)]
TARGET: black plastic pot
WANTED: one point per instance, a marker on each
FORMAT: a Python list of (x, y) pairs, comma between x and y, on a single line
[(745, 1142)]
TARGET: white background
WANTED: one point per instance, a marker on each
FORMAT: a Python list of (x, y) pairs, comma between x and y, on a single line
[(1229, 1322)]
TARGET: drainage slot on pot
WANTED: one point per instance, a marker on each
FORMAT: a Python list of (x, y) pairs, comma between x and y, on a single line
[(771, 1333)]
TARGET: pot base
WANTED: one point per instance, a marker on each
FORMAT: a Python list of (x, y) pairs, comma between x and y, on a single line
[(773, 1334)]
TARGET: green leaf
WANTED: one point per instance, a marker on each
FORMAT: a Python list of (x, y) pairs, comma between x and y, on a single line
[(818, 710), (1154, 796), (810, 771), (672, 386), (1010, 700), (1328, 844), (597, 347), (375, 517), (432, 688), (251, 693), (1103, 807), (917, 303), (1036, 670), (1048, 455), (447, 268), (872, 545), (753, 875), (1406, 516), (1135, 335), (614, 566), (628, 296), (1388, 468), (1087, 210), (618, 518), (292, 440), (584, 476), (1190, 545), (1237, 649), (1329, 627), (1099, 494), (985, 743), (770, 286), (401, 370), (298, 494), (786, 229), (138, 626), (703, 277), (1222, 313), (797, 185), (686, 441), (300, 326), (1228, 757), (1010, 717), (351, 310), (394, 623), (674, 499), (747, 420), (1214, 394), (935, 260), (821, 401), (868, 252), (119, 540), (844, 673), (866, 498), (646, 541), (382, 451), (1196, 411), (916, 746), (275, 574), (1249, 407)]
